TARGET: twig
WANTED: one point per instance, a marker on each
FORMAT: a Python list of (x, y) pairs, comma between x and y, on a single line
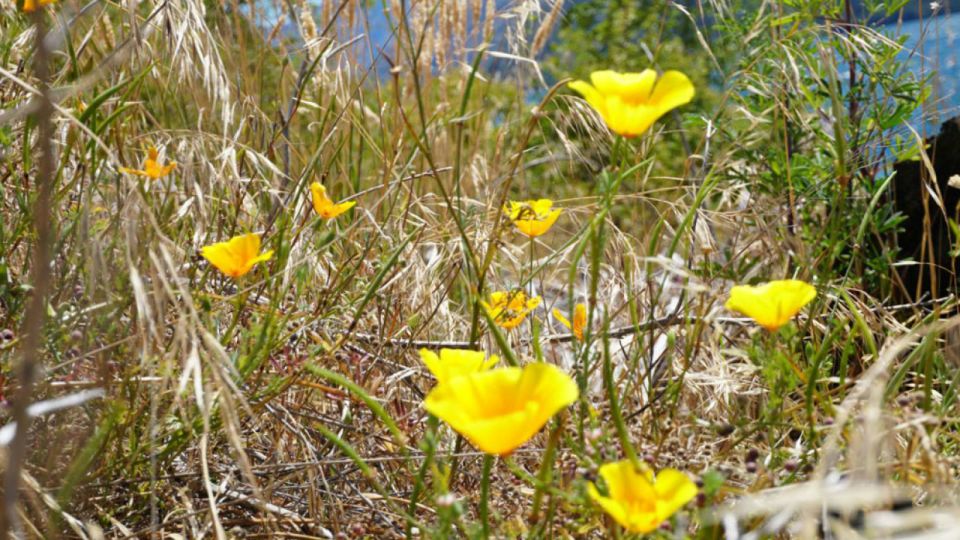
[(618, 332), (294, 466), (274, 509), (37, 308), (432, 172)]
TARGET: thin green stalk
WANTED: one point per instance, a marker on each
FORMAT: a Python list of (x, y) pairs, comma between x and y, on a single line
[(399, 439), (546, 468), (530, 266), (455, 460), (240, 304), (485, 496), (535, 330), (839, 137), (368, 474), (458, 160), (430, 440), (608, 383), (812, 396), (582, 352), (597, 245)]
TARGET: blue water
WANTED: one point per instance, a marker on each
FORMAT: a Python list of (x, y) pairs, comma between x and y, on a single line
[(933, 48)]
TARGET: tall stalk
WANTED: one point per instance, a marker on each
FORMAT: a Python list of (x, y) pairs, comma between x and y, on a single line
[(35, 316)]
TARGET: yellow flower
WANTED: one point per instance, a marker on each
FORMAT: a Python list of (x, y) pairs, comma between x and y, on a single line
[(151, 168), (638, 501), (237, 256), (532, 218), (500, 409), (579, 320), (509, 308), (631, 102), (326, 207), (29, 6), (772, 304), (453, 363)]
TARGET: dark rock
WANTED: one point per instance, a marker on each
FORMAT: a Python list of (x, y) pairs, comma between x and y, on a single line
[(925, 236)]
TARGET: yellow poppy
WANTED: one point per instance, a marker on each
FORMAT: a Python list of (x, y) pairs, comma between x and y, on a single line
[(453, 363), (532, 218), (509, 308), (29, 6), (638, 501), (326, 207), (772, 304), (151, 168), (579, 320), (631, 102), (237, 256), (500, 409)]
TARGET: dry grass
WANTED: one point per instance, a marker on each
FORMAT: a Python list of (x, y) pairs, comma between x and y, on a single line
[(288, 403)]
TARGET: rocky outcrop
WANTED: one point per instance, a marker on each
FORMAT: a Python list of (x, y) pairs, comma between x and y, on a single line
[(928, 204)]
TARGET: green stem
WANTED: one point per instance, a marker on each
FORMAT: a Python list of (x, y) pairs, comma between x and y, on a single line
[(431, 446), (241, 302), (455, 460), (546, 468), (611, 389), (615, 152), (485, 496), (537, 353), (530, 270)]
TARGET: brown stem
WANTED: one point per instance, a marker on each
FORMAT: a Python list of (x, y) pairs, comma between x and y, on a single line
[(32, 329)]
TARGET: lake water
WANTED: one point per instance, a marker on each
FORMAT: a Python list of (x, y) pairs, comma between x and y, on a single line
[(933, 47)]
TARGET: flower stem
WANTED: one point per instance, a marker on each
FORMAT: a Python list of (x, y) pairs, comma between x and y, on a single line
[(615, 157), (485, 496), (241, 303), (455, 460), (430, 440), (537, 353), (546, 468), (532, 289), (610, 386)]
